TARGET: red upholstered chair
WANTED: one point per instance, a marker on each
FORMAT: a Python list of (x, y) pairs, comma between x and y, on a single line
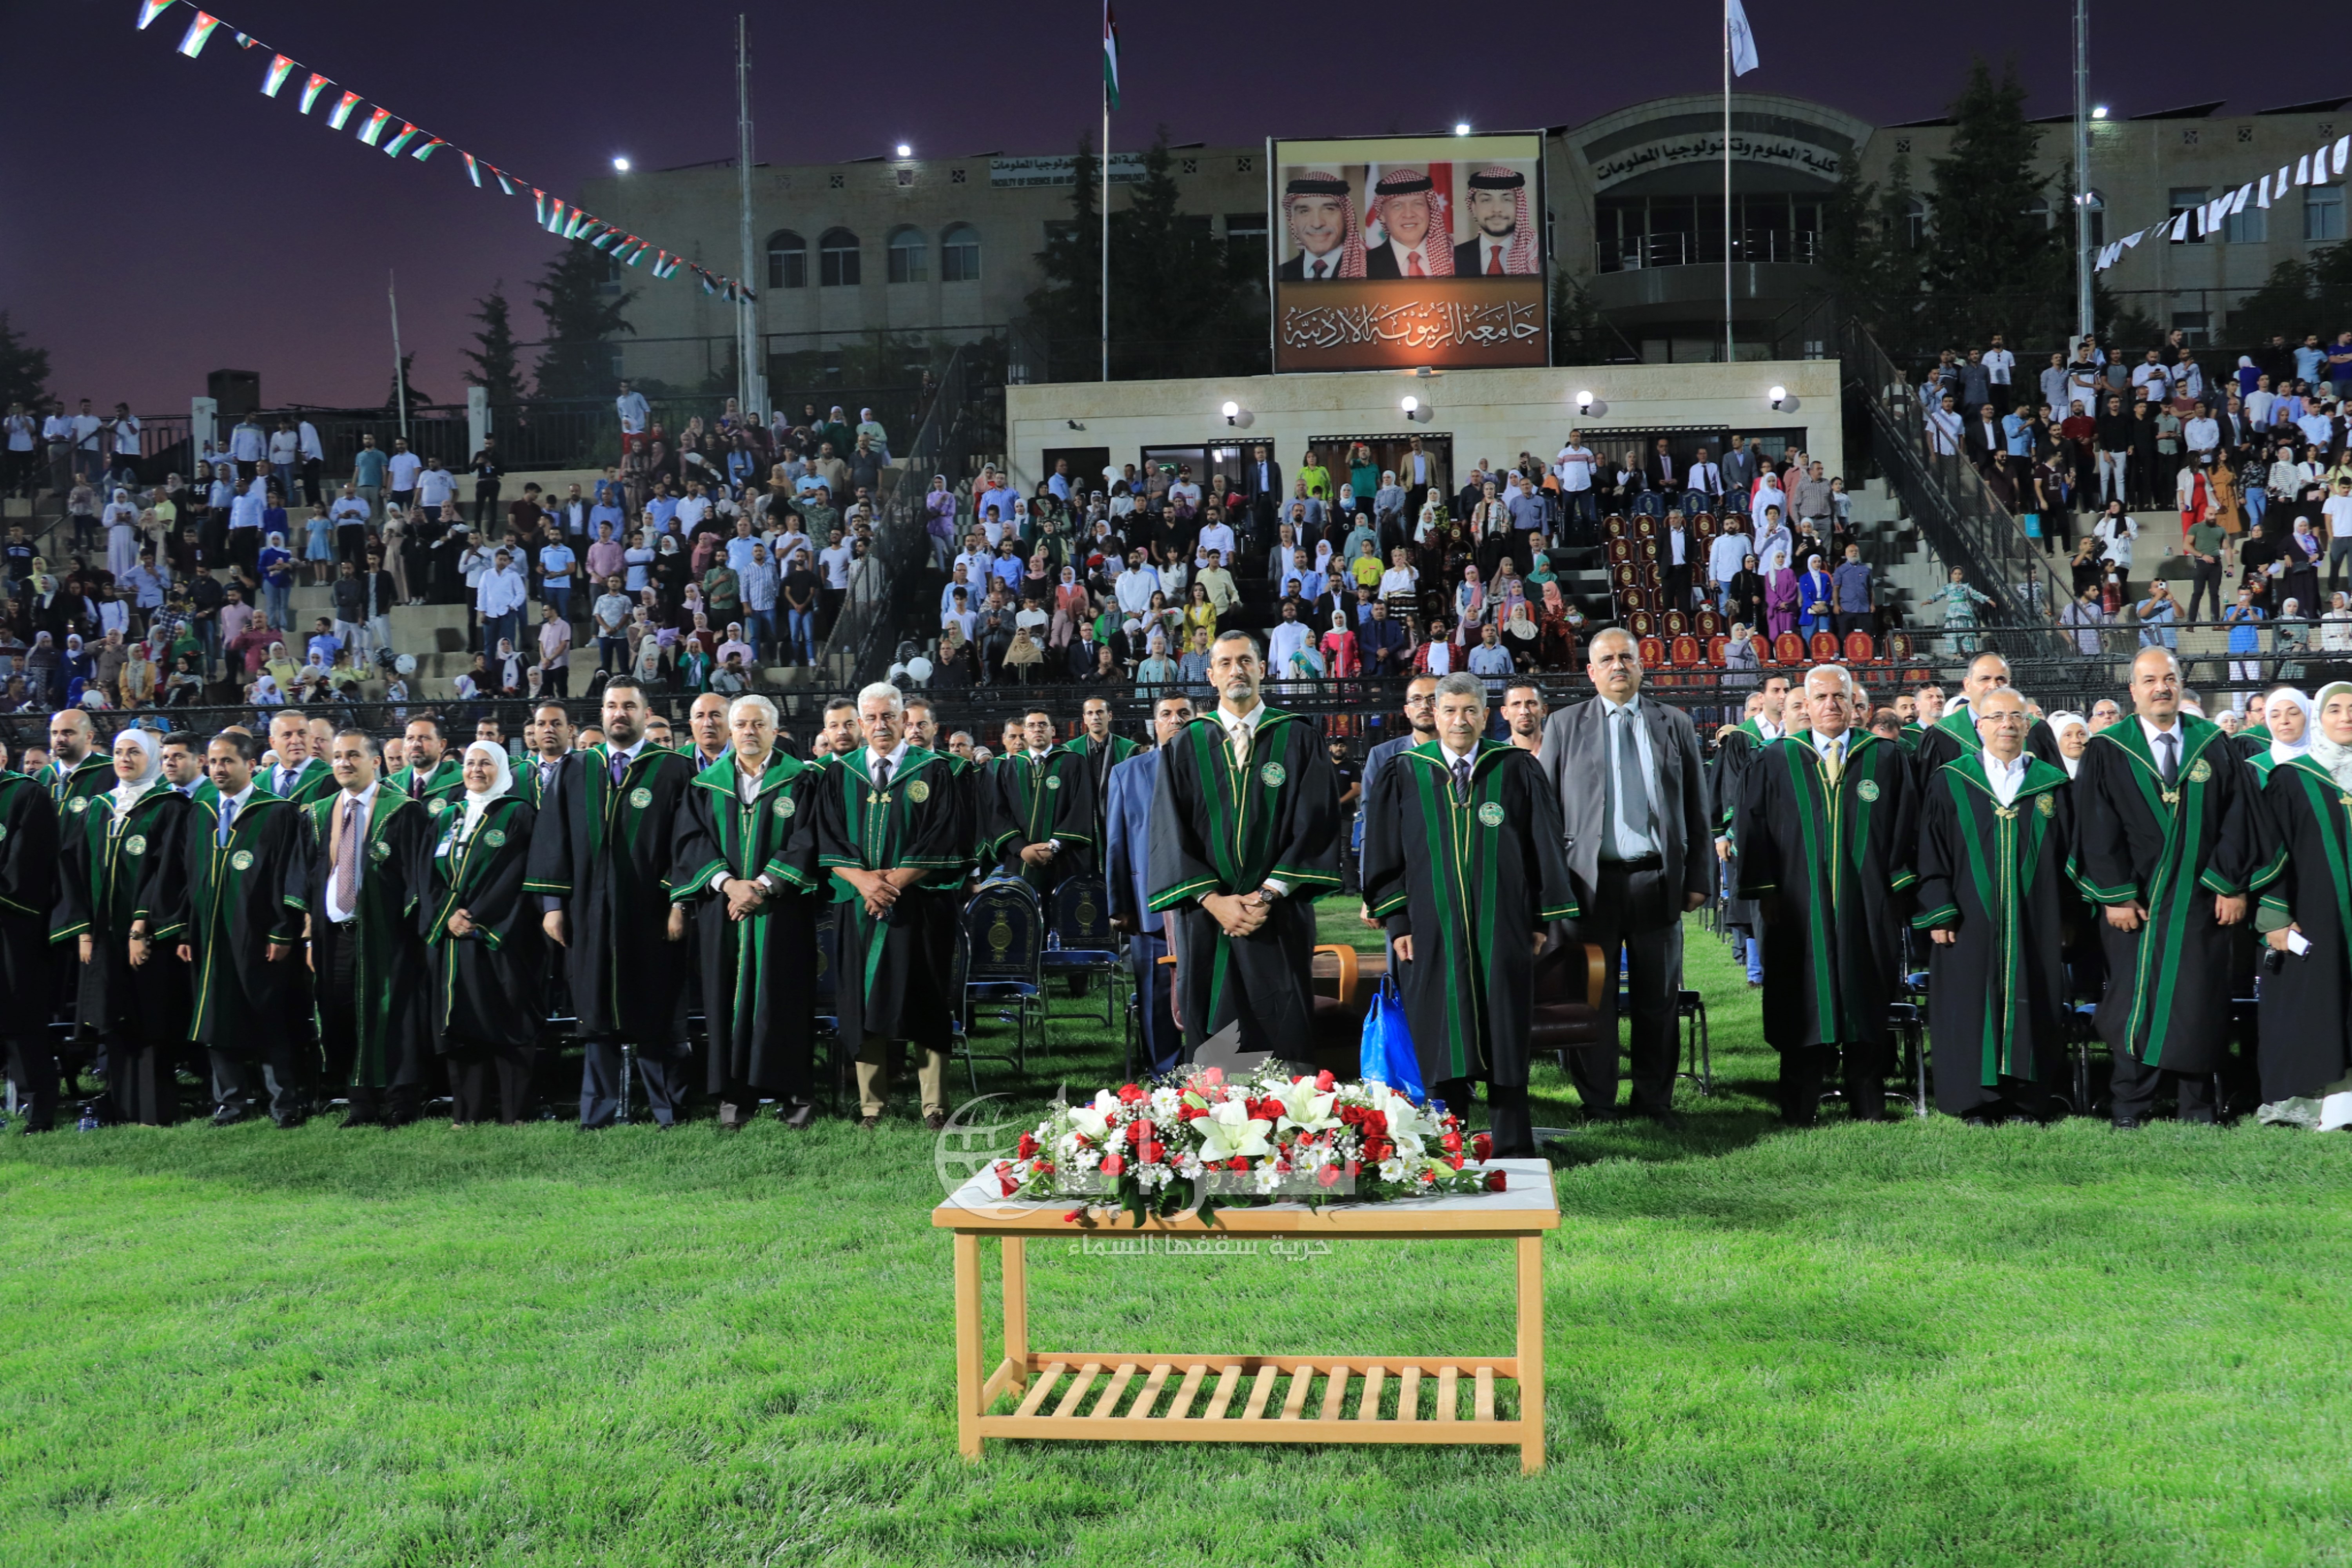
[(1614, 525), (1644, 626), (1626, 573), (1653, 653), (1686, 651), (1646, 550), (1716, 645), (1823, 648), (1789, 649), (1709, 623), (1899, 647), (1703, 527), (1636, 598), (1859, 648), (1645, 527), (1677, 622), (1619, 549)]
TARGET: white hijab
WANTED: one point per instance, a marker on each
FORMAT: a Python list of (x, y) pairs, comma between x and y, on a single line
[(2058, 723), (480, 801), (2335, 759), (128, 793), (2285, 751)]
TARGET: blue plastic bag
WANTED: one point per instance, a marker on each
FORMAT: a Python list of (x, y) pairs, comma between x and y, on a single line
[(1388, 1055)]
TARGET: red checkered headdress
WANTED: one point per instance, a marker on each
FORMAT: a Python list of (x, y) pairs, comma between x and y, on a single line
[(1437, 245), (1323, 182), (1519, 256)]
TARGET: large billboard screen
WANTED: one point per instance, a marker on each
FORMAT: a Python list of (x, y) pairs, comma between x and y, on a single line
[(1396, 251)]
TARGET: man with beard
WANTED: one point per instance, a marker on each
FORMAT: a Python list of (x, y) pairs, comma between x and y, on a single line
[(1319, 210), (757, 942), (431, 778), (1102, 750), (1404, 200), (2167, 813), (1126, 833), (1245, 835), (1043, 808), (1523, 715), (75, 770), (548, 737), (1420, 727), (1505, 243), (600, 854), (1463, 861)]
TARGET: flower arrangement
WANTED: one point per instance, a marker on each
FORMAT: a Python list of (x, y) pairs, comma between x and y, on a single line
[(1197, 1140)]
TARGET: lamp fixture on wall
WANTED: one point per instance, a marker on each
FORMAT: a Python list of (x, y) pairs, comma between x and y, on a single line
[(1235, 414), (1780, 399), (1415, 410)]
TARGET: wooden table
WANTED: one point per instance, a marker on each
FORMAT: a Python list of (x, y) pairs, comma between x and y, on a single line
[(1215, 1398)]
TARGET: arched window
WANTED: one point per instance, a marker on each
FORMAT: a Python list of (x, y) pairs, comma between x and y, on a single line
[(960, 254), (1914, 222), (909, 255), (787, 260), (837, 259), (2038, 210)]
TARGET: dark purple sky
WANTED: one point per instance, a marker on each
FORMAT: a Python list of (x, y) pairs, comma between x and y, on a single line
[(160, 218)]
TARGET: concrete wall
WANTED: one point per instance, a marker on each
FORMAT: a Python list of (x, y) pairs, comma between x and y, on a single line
[(1495, 414)]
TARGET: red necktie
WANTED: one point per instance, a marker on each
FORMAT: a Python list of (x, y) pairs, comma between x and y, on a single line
[(1412, 265), (1495, 262)]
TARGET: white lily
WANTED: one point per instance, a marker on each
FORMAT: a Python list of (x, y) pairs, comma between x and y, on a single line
[(1231, 1132), (1305, 1109), (1094, 1120)]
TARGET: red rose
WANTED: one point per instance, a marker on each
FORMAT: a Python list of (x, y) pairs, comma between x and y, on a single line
[(1010, 1186), (1113, 1164), (1237, 1162), (1328, 1176), (1482, 1147), (1354, 1168), (1454, 1160), (1428, 1177), (1154, 1152), (1139, 1129), (1451, 1142), (1028, 1147), (1495, 1181), (1324, 1080), (1190, 1112), (1129, 1093)]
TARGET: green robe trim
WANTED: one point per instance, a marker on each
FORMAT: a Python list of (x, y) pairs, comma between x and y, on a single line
[(1998, 876), (879, 833), (499, 813), (1034, 798), (2331, 808), (610, 809), (1843, 820), (738, 824)]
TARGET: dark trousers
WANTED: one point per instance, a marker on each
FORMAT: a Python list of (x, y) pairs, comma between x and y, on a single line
[(233, 1082), (141, 1082), (470, 1073), (1633, 912), (1164, 1042), (1848, 624), (1509, 1124), (1805, 1073), (2205, 579), (486, 503), (600, 1083), (33, 1069), (1678, 581), (401, 1096), (2136, 1086)]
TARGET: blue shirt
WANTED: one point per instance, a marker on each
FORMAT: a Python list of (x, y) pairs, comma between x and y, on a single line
[(367, 468), (555, 565), (1852, 581), (2019, 436), (2245, 627)]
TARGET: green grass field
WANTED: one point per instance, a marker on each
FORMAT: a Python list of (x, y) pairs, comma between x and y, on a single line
[(1917, 1343)]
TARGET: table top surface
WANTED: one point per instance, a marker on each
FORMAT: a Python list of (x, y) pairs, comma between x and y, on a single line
[(1526, 1205)]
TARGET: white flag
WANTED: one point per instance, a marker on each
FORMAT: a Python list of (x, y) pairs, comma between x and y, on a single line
[(2303, 170), (2343, 151), (1743, 42), (2238, 202), (2180, 224), (2264, 199)]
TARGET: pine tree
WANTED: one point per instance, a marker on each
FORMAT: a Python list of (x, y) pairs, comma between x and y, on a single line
[(495, 367), (24, 370), (1064, 310), (581, 323), (407, 377), (1998, 262)]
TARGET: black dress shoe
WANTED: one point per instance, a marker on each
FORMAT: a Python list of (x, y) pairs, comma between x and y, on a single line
[(869, 1123), (2126, 1123), (225, 1117), (801, 1115), (935, 1119)]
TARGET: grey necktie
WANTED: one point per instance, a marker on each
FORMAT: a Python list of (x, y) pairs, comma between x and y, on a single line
[(2167, 760), (1633, 789), (1462, 779), (227, 821), (882, 776)]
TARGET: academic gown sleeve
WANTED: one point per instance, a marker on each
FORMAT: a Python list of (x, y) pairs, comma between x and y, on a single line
[(28, 855), (1752, 824), (2107, 874), (551, 869), (1177, 856), (1555, 889), (71, 912), (1939, 861), (697, 860), (1386, 887), (496, 903), (1308, 856)]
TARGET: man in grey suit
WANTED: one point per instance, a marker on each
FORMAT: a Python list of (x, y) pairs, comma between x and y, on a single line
[(1127, 830), (1633, 801)]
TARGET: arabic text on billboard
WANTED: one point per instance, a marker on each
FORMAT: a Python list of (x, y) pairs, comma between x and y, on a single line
[(1126, 169)]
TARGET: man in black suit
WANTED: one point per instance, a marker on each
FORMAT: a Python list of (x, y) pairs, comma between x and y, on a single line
[(1400, 201), (1505, 244), (1319, 210), (1664, 476), (1261, 483), (1634, 802), (1986, 445)]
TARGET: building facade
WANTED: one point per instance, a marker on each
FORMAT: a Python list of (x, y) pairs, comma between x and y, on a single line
[(893, 256)]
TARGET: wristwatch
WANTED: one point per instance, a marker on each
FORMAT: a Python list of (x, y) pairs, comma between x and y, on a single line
[(1265, 897)]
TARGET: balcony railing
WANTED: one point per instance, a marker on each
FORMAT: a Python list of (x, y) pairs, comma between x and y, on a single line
[(1675, 248)]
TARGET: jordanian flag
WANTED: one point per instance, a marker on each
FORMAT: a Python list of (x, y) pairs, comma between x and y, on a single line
[(1110, 58)]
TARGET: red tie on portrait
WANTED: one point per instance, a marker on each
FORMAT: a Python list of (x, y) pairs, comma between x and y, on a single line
[(1413, 267), (1494, 261)]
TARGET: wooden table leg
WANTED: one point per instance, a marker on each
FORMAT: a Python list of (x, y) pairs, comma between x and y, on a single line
[(1530, 1354), (967, 1315), (1016, 1308)]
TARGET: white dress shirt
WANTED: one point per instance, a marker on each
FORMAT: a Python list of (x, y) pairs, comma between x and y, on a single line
[(2006, 778), (2179, 734), (1241, 731)]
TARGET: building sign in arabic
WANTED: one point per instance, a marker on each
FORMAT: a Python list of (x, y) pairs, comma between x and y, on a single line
[(1385, 325), (1706, 147), (1126, 169)]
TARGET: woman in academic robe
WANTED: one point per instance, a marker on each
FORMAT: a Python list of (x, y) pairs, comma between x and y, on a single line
[(482, 943), (136, 1003), (2307, 924)]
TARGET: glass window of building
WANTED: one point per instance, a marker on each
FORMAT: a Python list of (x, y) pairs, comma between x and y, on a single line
[(837, 257)]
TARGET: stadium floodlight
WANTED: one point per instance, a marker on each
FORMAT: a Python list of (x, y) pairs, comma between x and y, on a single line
[(620, 165), (2099, 111), (905, 150), (1461, 128)]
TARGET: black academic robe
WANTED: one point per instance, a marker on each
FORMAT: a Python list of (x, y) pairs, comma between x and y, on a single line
[(1032, 801), (2169, 984), (1219, 829), (28, 898), (530, 782), (1955, 736), (758, 973), (227, 902), (1735, 757), (2307, 1000), (896, 970), (1839, 864), (110, 859), (1100, 760), (1472, 880), (445, 783), (94, 775), (607, 851), (67, 788), (2002, 880), (486, 988), (313, 781), (388, 958)]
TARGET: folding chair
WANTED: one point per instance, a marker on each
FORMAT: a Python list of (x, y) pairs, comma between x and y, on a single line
[(1002, 952), (1081, 941)]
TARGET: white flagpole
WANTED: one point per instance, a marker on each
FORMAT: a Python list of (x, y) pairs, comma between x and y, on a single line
[(399, 368), (1106, 233), (1727, 182)]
